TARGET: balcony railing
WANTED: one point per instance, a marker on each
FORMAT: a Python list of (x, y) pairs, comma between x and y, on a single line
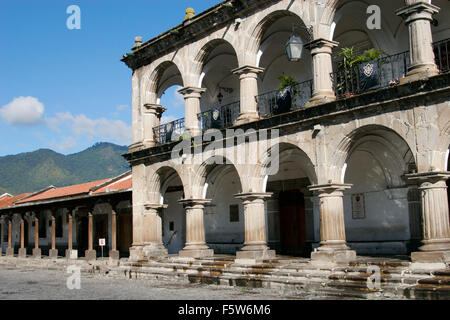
[(284, 100), (169, 132), (442, 54), (220, 117), (384, 72)]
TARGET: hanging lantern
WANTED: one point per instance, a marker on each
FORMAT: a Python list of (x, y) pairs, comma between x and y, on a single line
[(294, 48)]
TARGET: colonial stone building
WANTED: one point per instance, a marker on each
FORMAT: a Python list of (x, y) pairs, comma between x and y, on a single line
[(361, 149)]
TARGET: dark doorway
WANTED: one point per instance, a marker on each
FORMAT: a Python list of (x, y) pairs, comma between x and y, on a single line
[(293, 224), (125, 233), (82, 235), (101, 232)]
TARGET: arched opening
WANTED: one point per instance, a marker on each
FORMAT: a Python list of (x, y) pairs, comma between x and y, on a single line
[(170, 191), (224, 216), (166, 82), (216, 61), (290, 211), (382, 213), (272, 35)]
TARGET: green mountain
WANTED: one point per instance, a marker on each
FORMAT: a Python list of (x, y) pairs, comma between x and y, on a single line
[(32, 171)]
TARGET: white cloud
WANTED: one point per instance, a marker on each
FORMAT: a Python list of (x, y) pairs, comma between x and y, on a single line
[(66, 144), (22, 111), (100, 129), (122, 107)]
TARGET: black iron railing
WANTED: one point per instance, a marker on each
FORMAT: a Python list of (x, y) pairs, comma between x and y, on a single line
[(169, 132), (384, 72), (284, 100), (442, 54), (220, 117)]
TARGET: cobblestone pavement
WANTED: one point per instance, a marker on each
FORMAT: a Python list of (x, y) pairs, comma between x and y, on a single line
[(30, 284)]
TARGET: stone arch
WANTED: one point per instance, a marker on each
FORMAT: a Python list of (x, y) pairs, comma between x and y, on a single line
[(154, 84), (159, 180), (214, 165), (286, 151), (260, 29), (391, 140)]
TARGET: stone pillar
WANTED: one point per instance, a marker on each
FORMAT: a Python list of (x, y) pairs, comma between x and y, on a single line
[(22, 250), (321, 51), (192, 109), (9, 250), (90, 254), (114, 254), (70, 253), (153, 244), (152, 118), (53, 253), (255, 248), (435, 217), (248, 77), (418, 16), (36, 251), (195, 229), (333, 244)]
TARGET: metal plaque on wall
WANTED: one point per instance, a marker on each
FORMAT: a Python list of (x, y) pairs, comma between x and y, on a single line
[(358, 206)]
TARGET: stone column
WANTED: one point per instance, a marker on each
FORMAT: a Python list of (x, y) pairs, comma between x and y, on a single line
[(90, 254), (114, 254), (22, 250), (418, 16), (36, 251), (255, 241), (9, 250), (435, 217), (152, 118), (321, 51), (70, 252), (195, 229), (153, 244), (333, 244), (192, 109), (248, 77), (53, 253)]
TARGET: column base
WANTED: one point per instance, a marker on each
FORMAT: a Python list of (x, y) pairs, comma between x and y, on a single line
[(431, 257), (22, 253), (196, 253), (136, 254), (420, 73), (332, 257), (320, 99), (114, 255), (136, 147), (37, 253), (90, 255), (72, 254), (246, 118), (53, 254), (254, 256), (154, 250), (435, 245), (10, 252)]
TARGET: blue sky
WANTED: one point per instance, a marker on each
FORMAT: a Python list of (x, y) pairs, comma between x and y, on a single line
[(67, 89)]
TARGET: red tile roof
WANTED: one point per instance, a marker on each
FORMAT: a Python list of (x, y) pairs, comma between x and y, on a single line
[(9, 201), (64, 191), (122, 184)]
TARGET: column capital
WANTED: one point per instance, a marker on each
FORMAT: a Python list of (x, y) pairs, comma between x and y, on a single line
[(330, 188), (195, 202), (155, 206), (252, 196), (428, 177), (418, 11), (191, 92), (154, 108), (247, 70), (321, 45)]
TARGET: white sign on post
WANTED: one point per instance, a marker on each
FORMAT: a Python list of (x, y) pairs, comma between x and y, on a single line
[(102, 243)]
